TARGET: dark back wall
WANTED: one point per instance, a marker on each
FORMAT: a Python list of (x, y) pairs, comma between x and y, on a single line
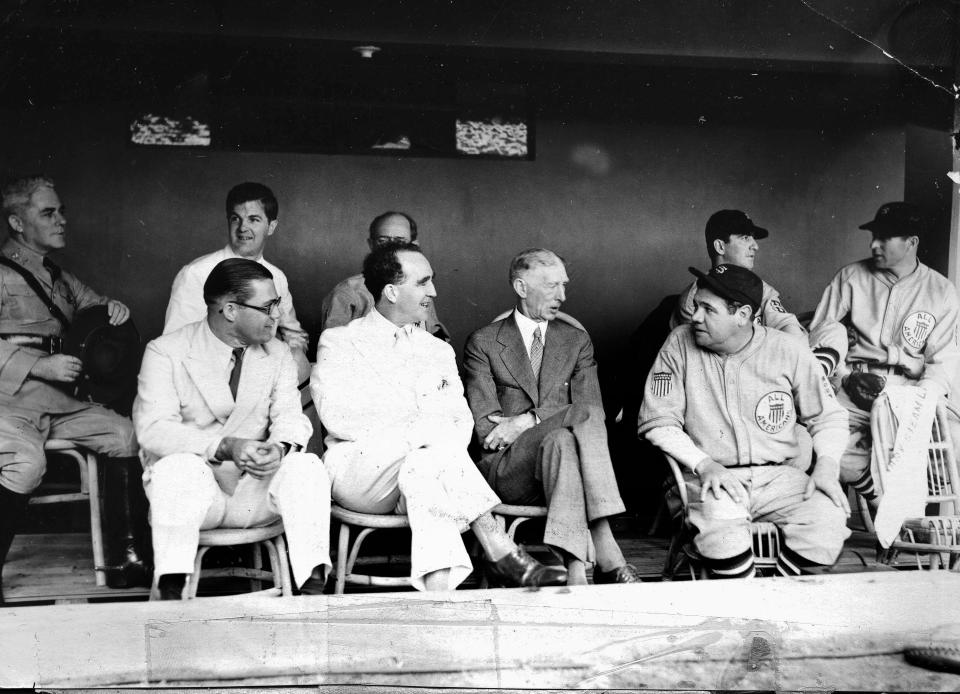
[(624, 202)]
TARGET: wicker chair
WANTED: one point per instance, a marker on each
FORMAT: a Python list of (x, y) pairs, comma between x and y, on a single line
[(89, 491), (936, 537), (268, 537), (348, 548), (766, 538)]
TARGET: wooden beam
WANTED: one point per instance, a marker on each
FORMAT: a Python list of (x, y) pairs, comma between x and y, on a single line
[(824, 633)]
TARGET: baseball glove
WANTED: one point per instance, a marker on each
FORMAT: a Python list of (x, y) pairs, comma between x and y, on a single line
[(863, 388)]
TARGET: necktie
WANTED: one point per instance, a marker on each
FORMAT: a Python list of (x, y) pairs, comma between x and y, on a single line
[(235, 373), (53, 269), (402, 337), (536, 352)]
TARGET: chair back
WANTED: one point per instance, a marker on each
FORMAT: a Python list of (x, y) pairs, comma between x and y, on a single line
[(565, 317)]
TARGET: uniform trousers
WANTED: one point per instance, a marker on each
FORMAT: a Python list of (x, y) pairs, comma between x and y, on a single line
[(564, 461), (23, 432), (439, 489), (814, 528), (186, 496)]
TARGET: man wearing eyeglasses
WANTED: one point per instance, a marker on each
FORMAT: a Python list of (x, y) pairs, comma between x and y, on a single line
[(220, 426), (252, 211), (351, 299)]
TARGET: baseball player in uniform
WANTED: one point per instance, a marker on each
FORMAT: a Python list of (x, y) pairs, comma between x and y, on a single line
[(886, 320), (747, 385), (732, 240)]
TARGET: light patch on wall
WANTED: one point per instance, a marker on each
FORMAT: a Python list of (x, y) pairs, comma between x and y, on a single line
[(590, 157), (151, 129), (494, 137)]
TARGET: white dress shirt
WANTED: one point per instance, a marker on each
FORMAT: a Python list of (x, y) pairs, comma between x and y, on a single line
[(527, 327)]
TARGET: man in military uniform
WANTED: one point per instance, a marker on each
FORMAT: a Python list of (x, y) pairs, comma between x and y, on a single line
[(37, 302)]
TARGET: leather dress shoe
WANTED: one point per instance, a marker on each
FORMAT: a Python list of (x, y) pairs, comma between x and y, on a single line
[(132, 572), (622, 574), (313, 586), (170, 586), (520, 569)]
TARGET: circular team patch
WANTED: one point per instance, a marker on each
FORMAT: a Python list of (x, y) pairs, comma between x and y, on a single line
[(917, 327), (775, 411)]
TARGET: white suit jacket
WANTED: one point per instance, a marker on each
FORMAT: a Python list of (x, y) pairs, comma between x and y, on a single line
[(184, 404), (378, 399), (186, 296)]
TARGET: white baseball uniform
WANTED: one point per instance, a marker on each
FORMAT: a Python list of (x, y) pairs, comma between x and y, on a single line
[(742, 408), (772, 314), (904, 330)]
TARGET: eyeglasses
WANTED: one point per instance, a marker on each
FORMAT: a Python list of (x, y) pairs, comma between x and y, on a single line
[(265, 310)]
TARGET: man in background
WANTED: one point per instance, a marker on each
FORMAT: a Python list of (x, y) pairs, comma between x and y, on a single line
[(252, 211), (351, 299)]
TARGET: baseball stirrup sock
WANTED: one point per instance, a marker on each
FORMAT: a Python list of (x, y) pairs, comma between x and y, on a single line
[(864, 486), (789, 563), (738, 566)]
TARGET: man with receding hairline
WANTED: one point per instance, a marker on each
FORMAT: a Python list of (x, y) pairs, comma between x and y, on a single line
[(351, 299), (398, 427), (532, 387), (38, 300)]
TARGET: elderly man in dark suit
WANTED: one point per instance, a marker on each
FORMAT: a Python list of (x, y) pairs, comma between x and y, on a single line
[(531, 382)]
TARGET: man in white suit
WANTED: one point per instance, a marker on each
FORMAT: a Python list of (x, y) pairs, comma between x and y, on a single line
[(220, 426), (398, 428)]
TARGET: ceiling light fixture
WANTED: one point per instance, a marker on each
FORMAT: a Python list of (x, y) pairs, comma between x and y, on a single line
[(366, 51)]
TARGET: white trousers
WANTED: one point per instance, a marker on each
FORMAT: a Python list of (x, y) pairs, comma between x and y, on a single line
[(440, 490), (187, 497)]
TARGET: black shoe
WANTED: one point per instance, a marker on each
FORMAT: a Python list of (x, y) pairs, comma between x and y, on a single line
[(622, 574), (313, 586), (125, 532), (132, 572), (171, 586), (520, 569)]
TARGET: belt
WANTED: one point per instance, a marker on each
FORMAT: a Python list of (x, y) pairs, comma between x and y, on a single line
[(51, 344), (875, 368)]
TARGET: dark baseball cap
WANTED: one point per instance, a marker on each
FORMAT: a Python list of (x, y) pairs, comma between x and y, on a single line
[(896, 219), (725, 223), (733, 283)]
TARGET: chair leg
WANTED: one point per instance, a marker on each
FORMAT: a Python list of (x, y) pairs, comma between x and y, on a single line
[(257, 549), (194, 583), (282, 567), (342, 551), (274, 558), (96, 524)]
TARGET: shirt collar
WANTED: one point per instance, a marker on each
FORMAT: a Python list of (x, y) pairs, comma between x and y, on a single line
[(386, 328), (24, 255), (230, 254), (527, 327), (213, 345)]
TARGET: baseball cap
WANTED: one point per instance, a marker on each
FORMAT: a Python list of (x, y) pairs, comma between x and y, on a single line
[(724, 223), (733, 283), (896, 219)]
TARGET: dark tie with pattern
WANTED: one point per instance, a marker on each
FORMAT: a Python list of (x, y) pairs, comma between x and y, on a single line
[(235, 373), (536, 352), (53, 269)]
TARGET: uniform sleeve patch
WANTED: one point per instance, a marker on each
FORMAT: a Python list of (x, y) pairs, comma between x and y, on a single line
[(776, 306), (662, 383)]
